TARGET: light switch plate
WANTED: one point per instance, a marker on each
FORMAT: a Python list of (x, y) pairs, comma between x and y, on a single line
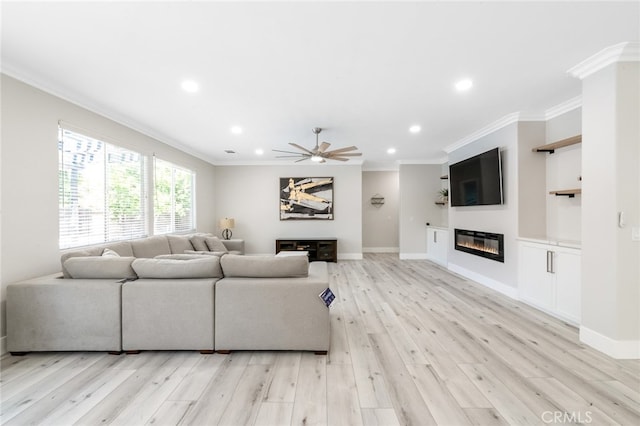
[(635, 233)]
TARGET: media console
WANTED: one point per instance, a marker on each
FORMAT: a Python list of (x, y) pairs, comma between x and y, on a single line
[(323, 249)]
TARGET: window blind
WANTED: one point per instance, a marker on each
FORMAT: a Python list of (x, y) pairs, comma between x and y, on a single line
[(101, 190), (173, 205)]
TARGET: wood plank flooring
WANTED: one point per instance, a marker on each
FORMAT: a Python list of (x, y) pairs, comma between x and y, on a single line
[(412, 344)]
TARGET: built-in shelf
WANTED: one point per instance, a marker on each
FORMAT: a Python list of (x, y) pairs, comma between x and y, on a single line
[(566, 192), (551, 147), (444, 177)]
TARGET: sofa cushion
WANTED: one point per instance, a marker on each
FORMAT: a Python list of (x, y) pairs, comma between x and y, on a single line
[(107, 252), (205, 267), (123, 248), (92, 251), (214, 244), (205, 253), (150, 247), (116, 267), (179, 243), (234, 265), (184, 256)]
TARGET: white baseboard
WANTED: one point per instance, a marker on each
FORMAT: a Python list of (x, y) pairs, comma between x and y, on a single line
[(3, 345), (618, 349), (507, 290), (413, 256), (380, 249)]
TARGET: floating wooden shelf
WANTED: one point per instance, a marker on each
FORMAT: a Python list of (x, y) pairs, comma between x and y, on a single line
[(442, 203), (551, 147), (444, 177), (566, 192)]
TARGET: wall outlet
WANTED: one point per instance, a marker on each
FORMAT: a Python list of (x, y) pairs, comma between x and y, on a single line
[(635, 233)]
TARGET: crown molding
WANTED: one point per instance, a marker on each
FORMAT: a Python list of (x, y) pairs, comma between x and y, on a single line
[(496, 125), (628, 51), (563, 108)]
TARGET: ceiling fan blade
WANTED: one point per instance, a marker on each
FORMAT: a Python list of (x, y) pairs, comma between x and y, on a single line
[(344, 154), (292, 156), (302, 159), (348, 148), (301, 148), (324, 146), (338, 158), (289, 152)]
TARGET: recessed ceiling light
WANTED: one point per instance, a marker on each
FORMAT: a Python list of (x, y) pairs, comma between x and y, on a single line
[(415, 129), (259, 151), (463, 85), (236, 130), (391, 151), (190, 86)]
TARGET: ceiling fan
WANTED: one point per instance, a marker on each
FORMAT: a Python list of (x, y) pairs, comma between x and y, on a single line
[(319, 153)]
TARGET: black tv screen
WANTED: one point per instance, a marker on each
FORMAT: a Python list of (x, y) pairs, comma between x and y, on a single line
[(477, 181)]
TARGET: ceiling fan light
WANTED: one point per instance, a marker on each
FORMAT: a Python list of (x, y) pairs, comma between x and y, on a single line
[(316, 158)]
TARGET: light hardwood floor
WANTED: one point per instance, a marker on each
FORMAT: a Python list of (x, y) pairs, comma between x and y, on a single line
[(411, 344)]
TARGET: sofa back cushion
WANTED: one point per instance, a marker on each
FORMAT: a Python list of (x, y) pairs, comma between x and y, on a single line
[(264, 266), (68, 254), (204, 267), (151, 246), (179, 243), (123, 248), (117, 267)]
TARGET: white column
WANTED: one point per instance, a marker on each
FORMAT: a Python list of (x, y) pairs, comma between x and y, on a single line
[(611, 187)]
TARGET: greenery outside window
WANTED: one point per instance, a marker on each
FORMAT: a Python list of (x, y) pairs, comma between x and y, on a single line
[(174, 198), (101, 189)]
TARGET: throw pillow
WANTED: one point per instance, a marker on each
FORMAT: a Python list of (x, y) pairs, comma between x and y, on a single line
[(109, 253), (215, 244), (199, 243)]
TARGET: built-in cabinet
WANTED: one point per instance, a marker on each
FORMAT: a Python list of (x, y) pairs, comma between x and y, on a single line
[(549, 279), (437, 245)]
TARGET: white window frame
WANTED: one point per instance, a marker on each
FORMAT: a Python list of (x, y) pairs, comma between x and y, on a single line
[(168, 226), (98, 225)]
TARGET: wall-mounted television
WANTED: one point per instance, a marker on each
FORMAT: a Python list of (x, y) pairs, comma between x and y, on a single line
[(477, 181)]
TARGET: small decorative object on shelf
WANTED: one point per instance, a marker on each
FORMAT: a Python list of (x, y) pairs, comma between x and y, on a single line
[(227, 224), (377, 200), (444, 194)]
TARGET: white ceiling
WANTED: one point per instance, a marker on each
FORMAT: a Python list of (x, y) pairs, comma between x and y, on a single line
[(363, 71)]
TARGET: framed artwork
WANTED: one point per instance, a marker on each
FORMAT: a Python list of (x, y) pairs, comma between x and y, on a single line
[(306, 198)]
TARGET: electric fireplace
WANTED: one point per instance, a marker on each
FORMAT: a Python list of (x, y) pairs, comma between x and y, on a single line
[(484, 244)]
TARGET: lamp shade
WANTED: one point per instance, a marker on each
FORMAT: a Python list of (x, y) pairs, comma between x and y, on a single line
[(227, 223)]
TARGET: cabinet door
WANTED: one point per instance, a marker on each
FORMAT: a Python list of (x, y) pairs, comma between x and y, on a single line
[(568, 284), (536, 285), (442, 238), (437, 242)]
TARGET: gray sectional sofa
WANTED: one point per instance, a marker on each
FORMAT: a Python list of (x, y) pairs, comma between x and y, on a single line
[(171, 292)]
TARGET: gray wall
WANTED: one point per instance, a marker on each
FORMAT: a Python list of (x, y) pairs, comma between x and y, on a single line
[(30, 177), (250, 194), (380, 223), (419, 186)]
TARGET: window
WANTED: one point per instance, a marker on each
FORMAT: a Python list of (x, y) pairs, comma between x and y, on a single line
[(101, 191), (173, 201)]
